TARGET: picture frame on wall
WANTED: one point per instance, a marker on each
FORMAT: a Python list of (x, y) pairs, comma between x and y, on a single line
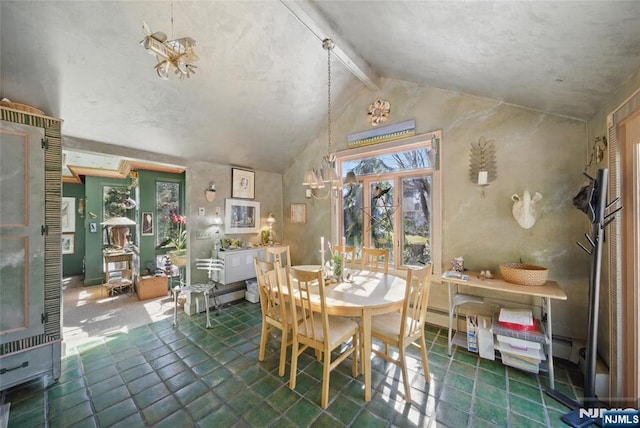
[(298, 213), (68, 214), (243, 183), (147, 223), (241, 216), (68, 243)]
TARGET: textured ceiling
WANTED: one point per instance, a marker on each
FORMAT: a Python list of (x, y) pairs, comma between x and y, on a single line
[(259, 94)]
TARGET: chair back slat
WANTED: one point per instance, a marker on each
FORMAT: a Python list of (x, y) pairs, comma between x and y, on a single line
[(346, 251), (272, 300), (302, 282), (211, 266), (371, 257), (282, 252), (414, 309)]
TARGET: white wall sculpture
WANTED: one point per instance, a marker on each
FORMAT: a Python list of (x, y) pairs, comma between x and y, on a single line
[(525, 209)]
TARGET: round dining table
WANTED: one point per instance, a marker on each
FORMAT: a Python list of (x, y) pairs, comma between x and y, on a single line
[(363, 295)]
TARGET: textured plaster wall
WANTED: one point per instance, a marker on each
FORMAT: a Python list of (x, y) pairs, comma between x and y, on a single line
[(268, 191), (536, 151), (597, 126)]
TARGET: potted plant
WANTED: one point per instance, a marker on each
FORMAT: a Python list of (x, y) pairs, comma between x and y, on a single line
[(178, 240)]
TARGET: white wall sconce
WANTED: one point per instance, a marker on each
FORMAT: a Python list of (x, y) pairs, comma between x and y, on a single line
[(210, 192), (482, 163), (271, 220), (217, 222)]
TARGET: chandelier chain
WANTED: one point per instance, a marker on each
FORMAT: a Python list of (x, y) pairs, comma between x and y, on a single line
[(172, 21), (328, 45)]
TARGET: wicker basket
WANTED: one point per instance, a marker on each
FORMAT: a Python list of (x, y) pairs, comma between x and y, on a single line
[(21, 107), (178, 257), (524, 274)]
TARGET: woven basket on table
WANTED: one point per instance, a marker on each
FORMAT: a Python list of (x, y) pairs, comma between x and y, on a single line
[(524, 274), (21, 107)]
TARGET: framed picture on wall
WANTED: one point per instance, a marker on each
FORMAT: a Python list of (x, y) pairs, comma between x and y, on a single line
[(243, 183), (298, 213), (68, 214), (241, 216), (68, 243), (147, 223)]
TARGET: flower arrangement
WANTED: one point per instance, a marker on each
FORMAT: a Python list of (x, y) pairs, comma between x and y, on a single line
[(178, 234)]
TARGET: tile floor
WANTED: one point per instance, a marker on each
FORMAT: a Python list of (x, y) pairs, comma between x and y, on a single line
[(158, 375)]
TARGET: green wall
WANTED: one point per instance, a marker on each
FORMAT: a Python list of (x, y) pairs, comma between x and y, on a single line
[(72, 263), (94, 240), (146, 198)]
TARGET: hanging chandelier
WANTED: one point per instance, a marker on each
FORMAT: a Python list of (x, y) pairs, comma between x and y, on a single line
[(327, 177), (172, 55)]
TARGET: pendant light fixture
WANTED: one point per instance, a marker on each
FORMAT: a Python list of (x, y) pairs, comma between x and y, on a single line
[(327, 176)]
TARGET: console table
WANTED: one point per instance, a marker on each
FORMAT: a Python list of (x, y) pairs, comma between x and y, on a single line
[(546, 292)]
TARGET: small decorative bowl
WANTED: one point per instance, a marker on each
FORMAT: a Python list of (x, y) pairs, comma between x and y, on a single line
[(524, 274)]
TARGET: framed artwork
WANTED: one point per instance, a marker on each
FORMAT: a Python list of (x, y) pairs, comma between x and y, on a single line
[(93, 227), (68, 214), (243, 183), (68, 243), (241, 216), (298, 213), (147, 223)]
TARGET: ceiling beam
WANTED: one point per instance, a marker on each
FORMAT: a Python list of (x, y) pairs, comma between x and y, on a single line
[(311, 18)]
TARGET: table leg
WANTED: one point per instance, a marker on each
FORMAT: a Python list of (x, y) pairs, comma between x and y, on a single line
[(366, 358), (547, 302)]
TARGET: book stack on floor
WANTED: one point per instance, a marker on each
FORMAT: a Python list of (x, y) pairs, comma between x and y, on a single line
[(520, 339)]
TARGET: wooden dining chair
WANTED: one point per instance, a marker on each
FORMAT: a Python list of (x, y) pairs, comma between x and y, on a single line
[(275, 313), (281, 251), (318, 330), (371, 257), (401, 329), (346, 250)]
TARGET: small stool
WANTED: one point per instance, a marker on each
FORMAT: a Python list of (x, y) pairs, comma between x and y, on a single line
[(205, 289)]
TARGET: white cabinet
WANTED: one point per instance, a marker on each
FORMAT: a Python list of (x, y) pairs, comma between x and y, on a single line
[(30, 247), (238, 264)]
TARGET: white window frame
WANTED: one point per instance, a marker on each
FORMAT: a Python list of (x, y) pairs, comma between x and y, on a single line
[(431, 140)]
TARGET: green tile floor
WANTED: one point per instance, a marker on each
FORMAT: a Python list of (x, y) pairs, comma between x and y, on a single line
[(158, 375)]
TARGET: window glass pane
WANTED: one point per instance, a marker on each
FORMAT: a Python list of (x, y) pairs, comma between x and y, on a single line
[(401, 161), (416, 220), (113, 197), (352, 215), (382, 215), (167, 203)]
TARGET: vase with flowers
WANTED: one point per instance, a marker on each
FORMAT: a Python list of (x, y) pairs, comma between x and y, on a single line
[(177, 239)]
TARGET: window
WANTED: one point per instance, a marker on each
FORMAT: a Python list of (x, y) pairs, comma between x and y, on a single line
[(167, 204), (396, 203)]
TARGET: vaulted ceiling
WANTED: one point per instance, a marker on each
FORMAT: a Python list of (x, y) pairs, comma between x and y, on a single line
[(259, 92)]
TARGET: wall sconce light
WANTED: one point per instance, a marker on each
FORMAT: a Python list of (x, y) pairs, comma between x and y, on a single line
[(482, 163), (210, 192), (217, 222), (271, 221)]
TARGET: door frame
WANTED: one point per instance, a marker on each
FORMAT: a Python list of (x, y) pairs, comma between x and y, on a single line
[(624, 333)]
